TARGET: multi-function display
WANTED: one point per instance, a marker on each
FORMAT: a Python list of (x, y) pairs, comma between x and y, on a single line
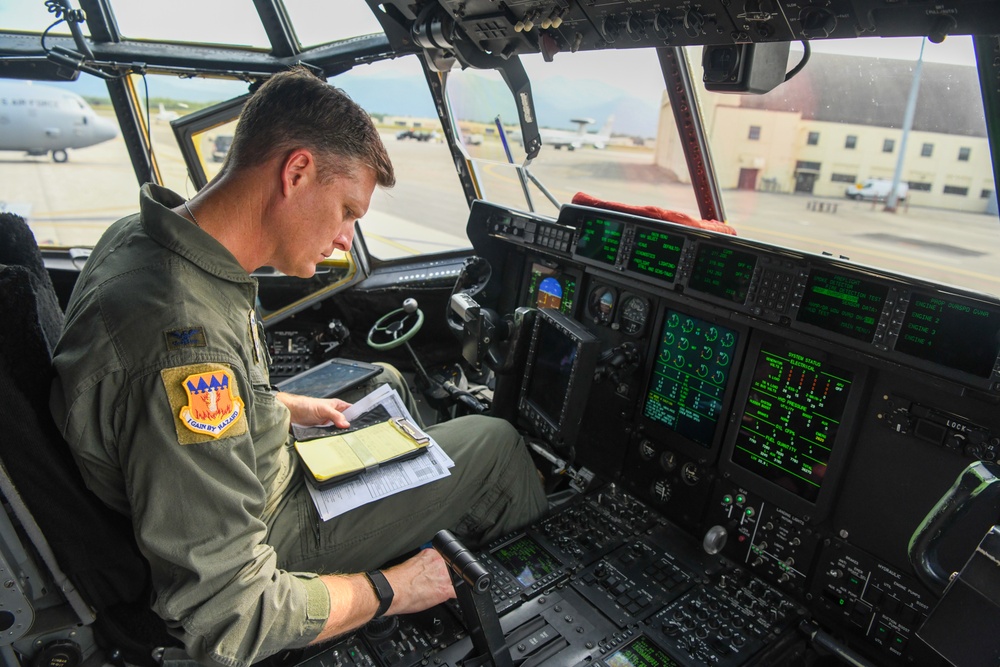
[(641, 653), (842, 304), (690, 374), (526, 560), (656, 254), (722, 272), (600, 240), (550, 288), (789, 424), (961, 335)]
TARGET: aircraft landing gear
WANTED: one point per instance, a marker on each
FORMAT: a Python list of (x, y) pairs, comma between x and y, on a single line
[(59, 155)]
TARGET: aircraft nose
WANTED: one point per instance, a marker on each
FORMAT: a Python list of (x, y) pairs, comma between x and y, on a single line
[(104, 129)]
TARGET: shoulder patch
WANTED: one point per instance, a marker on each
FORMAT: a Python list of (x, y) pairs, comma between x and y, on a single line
[(186, 337), (205, 401)]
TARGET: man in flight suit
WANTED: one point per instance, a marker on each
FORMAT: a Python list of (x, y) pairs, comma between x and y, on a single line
[(162, 392)]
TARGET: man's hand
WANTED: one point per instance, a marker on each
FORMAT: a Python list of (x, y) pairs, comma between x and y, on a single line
[(308, 411), (417, 584)]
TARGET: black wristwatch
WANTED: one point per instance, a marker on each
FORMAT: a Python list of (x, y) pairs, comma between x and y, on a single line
[(383, 591)]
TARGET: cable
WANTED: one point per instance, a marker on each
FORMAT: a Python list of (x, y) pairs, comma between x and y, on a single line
[(806, 51), (45, 48)]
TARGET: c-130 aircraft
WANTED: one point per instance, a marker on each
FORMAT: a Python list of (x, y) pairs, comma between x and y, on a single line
[(775, 440)]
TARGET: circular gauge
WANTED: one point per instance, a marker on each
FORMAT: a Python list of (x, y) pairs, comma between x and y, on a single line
[(712, 334), (634, 315), (601, 304), (661, 490), (673, 320), (688, 326), (668, 461), (684, 343), (691, 473), (646, 450), (728, 340)]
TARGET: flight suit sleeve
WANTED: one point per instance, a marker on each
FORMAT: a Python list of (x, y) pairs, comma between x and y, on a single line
[(195, 501)]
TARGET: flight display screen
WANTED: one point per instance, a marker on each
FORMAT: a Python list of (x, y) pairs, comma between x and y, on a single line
[(550, 288), (526, 560), (956, 334), (842, 304), (600, 240), (722, 272), (550, 378), (790, 421), (656, 254), (690, 375), (640, 653)]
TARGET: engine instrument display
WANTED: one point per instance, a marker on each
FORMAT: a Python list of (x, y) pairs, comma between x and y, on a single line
[(957, 334), (640, 653), (526, 560), (548, 287), (842, 304), (656, 254), (722, 272), (791, 417), (690, 374), (600, 240)]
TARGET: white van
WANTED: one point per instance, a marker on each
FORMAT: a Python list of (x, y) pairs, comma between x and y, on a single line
[(876, 188)]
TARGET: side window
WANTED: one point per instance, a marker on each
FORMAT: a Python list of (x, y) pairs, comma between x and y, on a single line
[(72, 183), (851, 142)]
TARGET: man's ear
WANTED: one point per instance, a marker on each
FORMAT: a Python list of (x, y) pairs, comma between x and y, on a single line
[(297, 169)]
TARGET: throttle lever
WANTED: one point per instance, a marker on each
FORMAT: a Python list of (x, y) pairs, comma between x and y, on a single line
[(472, 583), (977, 483)]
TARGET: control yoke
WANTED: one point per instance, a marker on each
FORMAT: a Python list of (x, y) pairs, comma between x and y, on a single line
[(487, 337), (472, 583), (978, 483)]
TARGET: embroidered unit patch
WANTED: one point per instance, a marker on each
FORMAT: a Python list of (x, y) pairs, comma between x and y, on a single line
[(187, 337), (212, 407)]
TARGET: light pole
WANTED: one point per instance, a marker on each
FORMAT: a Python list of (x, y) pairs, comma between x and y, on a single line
[(911, 107)]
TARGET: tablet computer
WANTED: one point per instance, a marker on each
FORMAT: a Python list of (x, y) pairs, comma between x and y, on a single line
[(330, 378)]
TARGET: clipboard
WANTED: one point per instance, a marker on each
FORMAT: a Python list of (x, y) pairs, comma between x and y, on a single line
[(337, 458)]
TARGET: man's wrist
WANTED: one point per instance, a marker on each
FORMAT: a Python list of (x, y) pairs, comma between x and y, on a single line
[(383, 591)]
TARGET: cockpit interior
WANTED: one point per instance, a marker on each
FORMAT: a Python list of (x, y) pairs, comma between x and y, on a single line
[(755, 454)]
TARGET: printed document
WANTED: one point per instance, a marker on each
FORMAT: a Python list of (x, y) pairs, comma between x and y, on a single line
[(385, 480)]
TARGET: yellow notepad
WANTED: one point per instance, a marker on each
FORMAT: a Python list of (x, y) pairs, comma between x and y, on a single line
[(337, 458)]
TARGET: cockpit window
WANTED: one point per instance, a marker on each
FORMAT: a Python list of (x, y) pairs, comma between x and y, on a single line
[(322, 22), (195, 21), (830, 139), (600, 131)]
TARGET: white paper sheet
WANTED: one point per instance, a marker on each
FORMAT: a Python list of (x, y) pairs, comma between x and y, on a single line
[(388, 479)]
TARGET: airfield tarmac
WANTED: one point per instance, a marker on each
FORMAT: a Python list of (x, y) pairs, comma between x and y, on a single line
[(70, 204)]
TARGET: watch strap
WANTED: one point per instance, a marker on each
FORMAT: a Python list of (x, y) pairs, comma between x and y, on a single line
[(383, 591)]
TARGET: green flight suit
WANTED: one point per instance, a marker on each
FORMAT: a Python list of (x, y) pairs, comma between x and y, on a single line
[(162, 392)]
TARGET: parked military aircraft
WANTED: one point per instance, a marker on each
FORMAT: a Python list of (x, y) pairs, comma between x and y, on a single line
[(39, 119), (572, 140)]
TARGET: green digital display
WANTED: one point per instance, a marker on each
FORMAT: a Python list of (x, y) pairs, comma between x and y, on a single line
[(843, 304), (656, 254), (791, 418), (722, 272), (600, 240), (641, 653), (690, 373), (959, 334)]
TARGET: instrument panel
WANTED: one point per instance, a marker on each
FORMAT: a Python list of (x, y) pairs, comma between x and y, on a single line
[(796, 414)]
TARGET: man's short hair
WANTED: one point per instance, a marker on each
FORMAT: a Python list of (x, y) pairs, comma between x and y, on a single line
[(296, 109)]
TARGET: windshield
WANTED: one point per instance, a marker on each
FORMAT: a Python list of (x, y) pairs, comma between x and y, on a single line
[(809, 165)]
